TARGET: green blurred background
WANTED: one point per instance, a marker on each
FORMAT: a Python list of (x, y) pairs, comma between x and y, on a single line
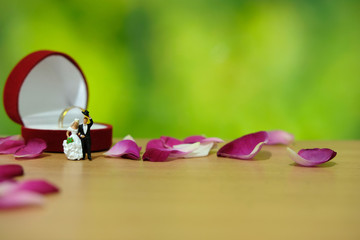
[(214, 67)]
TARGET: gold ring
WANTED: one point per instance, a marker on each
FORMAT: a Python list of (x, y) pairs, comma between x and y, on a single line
[(63, 114)]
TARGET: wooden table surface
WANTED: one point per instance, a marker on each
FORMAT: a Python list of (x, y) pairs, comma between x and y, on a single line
[(199, 198)]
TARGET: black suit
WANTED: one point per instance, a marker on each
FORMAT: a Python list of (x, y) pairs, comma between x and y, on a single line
[(86, 141)]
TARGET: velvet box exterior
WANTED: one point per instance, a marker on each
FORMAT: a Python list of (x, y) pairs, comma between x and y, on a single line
[(41, 89)]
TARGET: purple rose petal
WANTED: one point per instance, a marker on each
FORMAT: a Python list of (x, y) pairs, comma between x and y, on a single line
[(125, 148), (245, 147), (9, 171), (33, 148), (279, 137), (11, 144), (311, 157)]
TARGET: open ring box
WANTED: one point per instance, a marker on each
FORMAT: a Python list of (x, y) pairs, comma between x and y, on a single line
[(38, 90)]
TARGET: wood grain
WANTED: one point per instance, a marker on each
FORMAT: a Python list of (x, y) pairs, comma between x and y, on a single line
[(201, 198)]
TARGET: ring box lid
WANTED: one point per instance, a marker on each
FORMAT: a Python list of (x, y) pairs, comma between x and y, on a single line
[(41, 86)]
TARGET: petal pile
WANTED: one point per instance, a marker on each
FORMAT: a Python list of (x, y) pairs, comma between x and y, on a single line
[(126, 148), (311, 157), (164, 148), (17, 146), (20, 194)]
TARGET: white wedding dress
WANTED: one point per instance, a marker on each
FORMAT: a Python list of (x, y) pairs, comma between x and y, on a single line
[(73, 150)]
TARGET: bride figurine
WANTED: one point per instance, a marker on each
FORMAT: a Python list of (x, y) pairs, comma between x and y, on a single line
[(72, 145)]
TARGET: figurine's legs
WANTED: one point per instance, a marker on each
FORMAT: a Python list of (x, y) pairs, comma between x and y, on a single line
[(83, 144), (88, 148)]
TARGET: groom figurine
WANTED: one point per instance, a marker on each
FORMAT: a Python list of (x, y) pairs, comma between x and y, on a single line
[(84, 133)]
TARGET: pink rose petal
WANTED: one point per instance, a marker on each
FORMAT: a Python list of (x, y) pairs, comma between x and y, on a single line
[(212, 139), (33, 148), (11, 144), (125, 149), (160, 150), (156, 155), (9, 171), (169, 142), (201, 150), (20, 199), (194, 139), (163, 142), (279, 137), (38, 186), (185, 150), (21, 194), (11, 196), (129, 137), (311, 157), (162, 154), (245, 147), (202, 139), (155, 143)]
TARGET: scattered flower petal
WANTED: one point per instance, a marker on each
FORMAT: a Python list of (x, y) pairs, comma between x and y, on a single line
[(126, 148), (169, 142), (11, 144), (202, 139), (160, 150), (245, 147), (162, 154), (311, 157), (20, 194), (33, 148), (202, 149), (279, 137), (154, 143), (20, 199), (194, 139), (156, 155), (212, 139), (9, 171), (129, 137), (38, 186)]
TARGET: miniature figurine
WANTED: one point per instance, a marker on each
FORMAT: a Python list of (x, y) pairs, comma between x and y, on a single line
[(72, 145), (84, 133)]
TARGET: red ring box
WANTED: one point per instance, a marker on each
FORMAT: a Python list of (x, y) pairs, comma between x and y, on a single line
[(39, 88)]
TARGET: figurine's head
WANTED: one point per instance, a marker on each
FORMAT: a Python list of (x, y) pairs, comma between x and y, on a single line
[(75, 123), (86, 120)]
